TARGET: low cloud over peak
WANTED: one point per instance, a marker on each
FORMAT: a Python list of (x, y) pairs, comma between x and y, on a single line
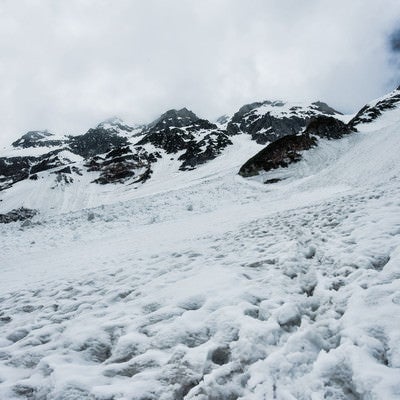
[(68, 65)]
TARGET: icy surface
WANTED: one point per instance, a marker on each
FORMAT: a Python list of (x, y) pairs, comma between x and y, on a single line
[(210, 286)]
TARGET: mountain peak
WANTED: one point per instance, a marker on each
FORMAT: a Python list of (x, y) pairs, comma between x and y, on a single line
[(223, 119), (36, 135), (111, 121), (268, 120), (35, 139), (325, 109), (174, 118), (182, 113), (116, 125)]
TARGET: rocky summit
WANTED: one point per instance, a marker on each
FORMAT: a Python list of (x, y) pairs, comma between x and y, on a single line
[(271, 120), (37, 139)]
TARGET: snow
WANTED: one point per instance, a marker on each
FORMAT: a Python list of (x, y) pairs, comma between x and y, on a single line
[(281, 109), (205, 285), (30, 151)]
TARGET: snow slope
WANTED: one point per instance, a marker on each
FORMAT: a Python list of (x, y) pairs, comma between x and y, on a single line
[(210, 286)]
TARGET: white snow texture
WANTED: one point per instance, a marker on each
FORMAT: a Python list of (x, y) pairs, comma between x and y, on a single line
[(206, 285)]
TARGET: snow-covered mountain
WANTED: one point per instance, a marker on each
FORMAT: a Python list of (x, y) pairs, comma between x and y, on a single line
[(271, 120), (41, 164), (197, 282)]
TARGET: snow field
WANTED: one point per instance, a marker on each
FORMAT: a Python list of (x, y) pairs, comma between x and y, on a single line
[(220, 288)]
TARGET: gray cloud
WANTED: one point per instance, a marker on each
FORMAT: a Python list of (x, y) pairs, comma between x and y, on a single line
[(67, 65)]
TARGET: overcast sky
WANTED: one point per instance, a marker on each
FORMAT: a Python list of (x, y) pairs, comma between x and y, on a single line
[(66, 65)]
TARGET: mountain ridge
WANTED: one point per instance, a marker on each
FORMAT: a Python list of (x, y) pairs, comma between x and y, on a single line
[(176, 142)]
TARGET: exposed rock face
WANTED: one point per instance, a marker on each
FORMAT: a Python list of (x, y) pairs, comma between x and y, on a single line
[(171, 140), (46, 162), (122, 164), (174, 129), (37, 139), (182, 130), (64, 176), (15, 169), (116, 125), (173, 118), (327, 127), (19, 214), (108, 135), (371, 112), (269, 121), (96, 141), (280, 153), (286, 150), (205, 150)]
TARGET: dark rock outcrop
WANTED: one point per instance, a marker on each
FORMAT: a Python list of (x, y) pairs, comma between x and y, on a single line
[(182, 130), (286, 150), (327, 127), (122, 164), (204, 150), (47, 161), (37, 139), (109, 135), (174, 129), (171, 140), (265, 125), (96, 141), (371, 112), (19, 214), (64, 176), (14, 169), (66, 170), (271, 181), (280, 153), (173, 118)]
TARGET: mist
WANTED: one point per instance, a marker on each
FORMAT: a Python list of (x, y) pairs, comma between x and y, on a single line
[(65, 66)]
